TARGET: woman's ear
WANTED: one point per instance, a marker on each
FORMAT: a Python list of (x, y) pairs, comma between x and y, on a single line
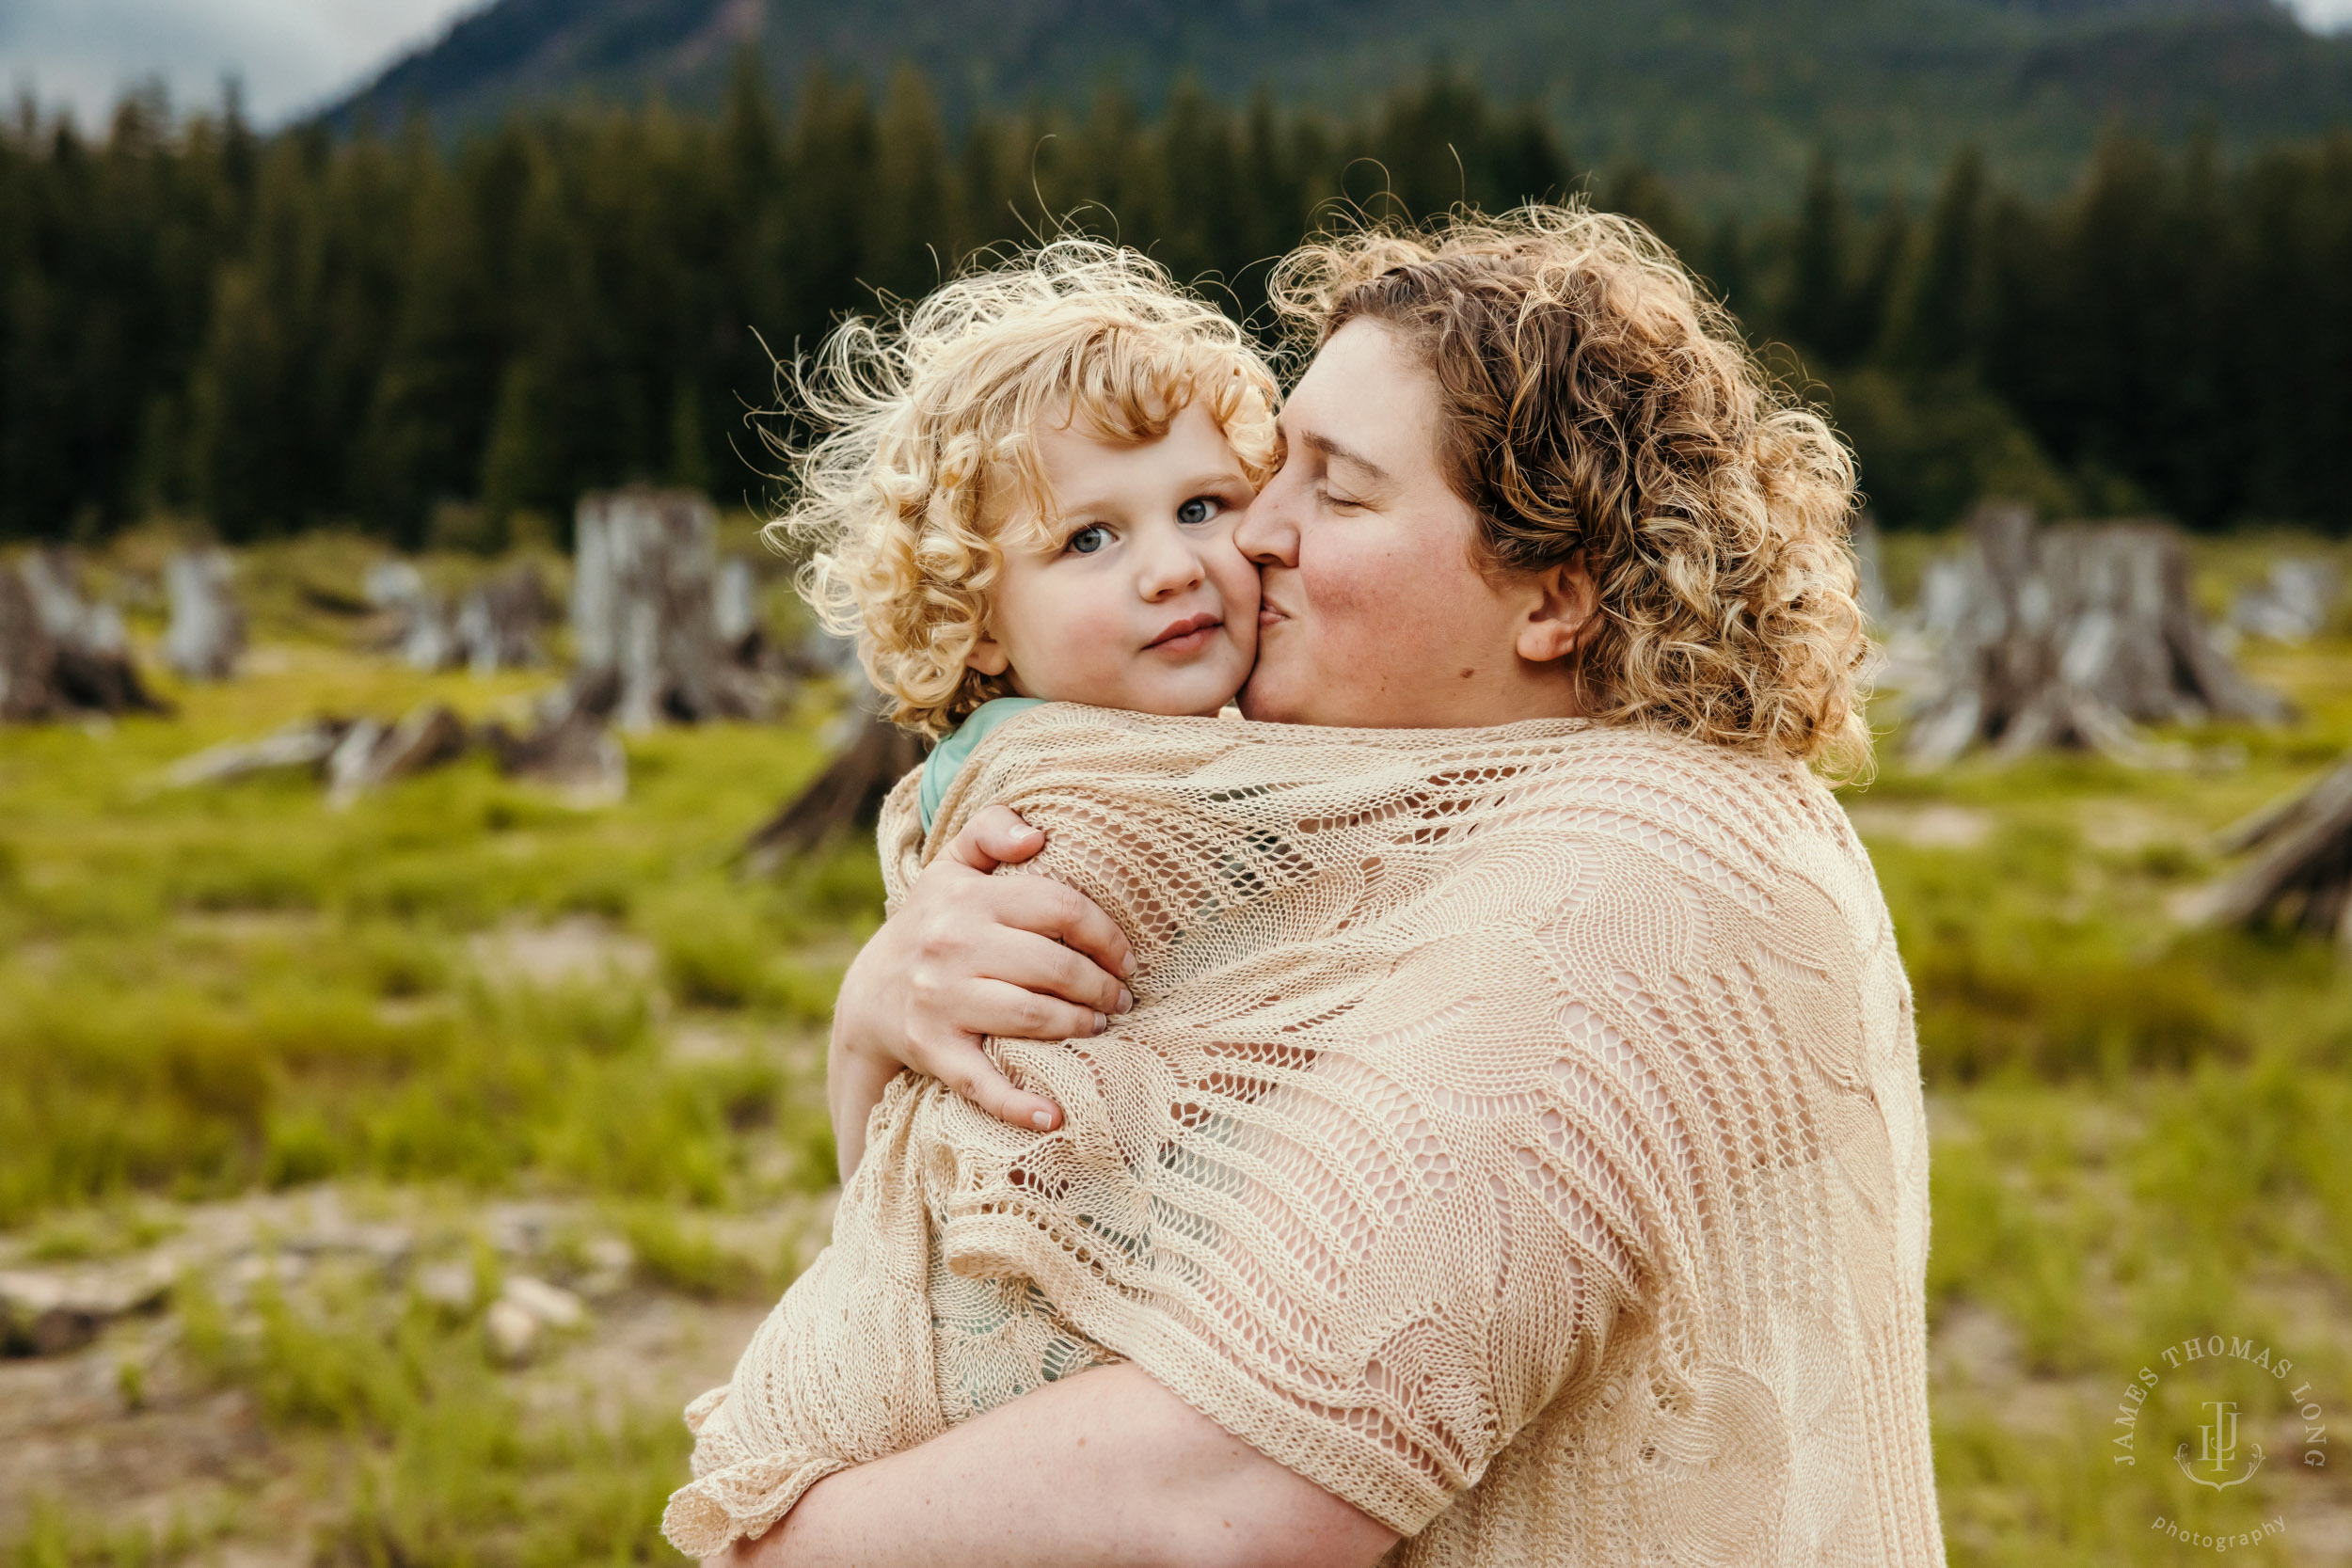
[(1560, 612)]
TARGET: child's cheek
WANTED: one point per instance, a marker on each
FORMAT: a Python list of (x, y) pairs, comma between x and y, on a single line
[(1237, 580)]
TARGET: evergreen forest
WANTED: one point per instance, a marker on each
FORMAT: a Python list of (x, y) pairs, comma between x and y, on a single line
[(444, 342)]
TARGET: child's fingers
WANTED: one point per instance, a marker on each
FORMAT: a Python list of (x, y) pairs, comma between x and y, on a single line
[(996, 836), (964, 1068)]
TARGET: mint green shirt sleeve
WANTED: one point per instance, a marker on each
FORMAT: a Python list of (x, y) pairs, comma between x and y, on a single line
[(947, 759)]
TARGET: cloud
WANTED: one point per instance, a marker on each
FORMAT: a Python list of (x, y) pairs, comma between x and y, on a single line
[(288, 54)]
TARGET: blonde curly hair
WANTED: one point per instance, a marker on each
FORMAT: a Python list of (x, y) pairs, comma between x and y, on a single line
[(925, 464), (1596, 403)]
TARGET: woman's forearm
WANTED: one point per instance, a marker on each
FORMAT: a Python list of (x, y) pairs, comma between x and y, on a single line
[(967, 955), (1105, 1468)]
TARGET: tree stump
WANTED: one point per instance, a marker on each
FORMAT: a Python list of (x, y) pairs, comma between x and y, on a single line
[(2067, 635), (497, 621), (59, 654), (1869, 560), (495, 626), (735, 612), (206, 637), (2293, 606), (2305, 877), (847, 796), (572, 746), (645, 603)]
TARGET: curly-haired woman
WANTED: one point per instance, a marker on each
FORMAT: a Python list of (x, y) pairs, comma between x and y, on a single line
[(1515, 1150)]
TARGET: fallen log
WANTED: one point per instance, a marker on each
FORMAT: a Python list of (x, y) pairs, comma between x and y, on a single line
[(372, 755), (305, 744), (2303, 879), (846, 797)]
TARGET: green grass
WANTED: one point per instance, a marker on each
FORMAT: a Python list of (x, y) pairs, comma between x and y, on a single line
[(2139, 1127), (206, 989)]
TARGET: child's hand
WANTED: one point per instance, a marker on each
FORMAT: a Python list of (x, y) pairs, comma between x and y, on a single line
[(968, 956)]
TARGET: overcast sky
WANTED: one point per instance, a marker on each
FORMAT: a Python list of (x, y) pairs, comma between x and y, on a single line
[(290, 54)]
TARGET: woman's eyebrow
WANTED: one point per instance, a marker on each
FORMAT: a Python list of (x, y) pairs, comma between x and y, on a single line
[(1337, 453)]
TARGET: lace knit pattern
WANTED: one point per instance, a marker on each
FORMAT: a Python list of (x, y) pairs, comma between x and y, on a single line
[(1518, 1133)]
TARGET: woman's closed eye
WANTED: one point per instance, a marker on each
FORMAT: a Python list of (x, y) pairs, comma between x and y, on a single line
[(1198, 510), (1337, 502)]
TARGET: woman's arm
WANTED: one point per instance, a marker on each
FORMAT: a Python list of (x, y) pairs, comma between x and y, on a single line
[(968, 956), (1105, 1468)]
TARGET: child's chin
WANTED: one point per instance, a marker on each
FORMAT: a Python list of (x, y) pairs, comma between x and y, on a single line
[(1201, 703)]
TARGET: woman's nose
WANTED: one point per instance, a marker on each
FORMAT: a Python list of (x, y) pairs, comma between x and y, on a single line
[(1265, 534)]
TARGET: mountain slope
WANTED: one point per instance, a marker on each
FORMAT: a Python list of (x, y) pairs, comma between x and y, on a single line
[(1728, 97)]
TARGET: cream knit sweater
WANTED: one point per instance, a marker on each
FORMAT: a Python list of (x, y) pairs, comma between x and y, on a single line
[(1518, 1135)]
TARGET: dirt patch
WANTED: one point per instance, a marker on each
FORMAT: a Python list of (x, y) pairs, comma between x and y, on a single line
[(573, 951), (125, 1432), (1928, 826)]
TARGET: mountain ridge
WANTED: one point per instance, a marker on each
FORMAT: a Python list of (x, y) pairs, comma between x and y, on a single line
[(1727, 98)]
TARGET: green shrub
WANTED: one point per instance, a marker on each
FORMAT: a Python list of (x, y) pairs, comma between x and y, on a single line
[(685, 1255)]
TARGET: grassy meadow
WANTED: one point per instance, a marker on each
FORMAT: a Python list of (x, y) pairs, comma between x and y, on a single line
[(461, 1000)]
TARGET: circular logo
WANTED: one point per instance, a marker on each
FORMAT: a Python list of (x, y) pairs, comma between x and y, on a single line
[(2219, 1411)]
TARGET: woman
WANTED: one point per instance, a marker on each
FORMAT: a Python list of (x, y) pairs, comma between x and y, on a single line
[(1559, 1192)]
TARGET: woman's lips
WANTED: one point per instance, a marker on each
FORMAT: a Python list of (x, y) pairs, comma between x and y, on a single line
[(1187, 636)]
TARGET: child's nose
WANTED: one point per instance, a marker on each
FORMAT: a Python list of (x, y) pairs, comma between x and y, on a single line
[(1172, 567)]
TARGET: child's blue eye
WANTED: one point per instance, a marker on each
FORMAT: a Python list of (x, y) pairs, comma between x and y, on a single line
[(1088, 539), (1198, 510)]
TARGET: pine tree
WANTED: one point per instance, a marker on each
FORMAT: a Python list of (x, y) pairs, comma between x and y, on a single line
[(1204, 222), (910, 220), (1817, 309), (1942, 314)]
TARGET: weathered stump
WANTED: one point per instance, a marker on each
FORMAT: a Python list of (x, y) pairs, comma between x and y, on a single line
[(2067, 635), (846, 797), (2293, 606), (495, 625), (645, 603), (59, 654), (497, 621), (2303, 878), (734, 613), (206, 637), (572, 747), (1869, 560)]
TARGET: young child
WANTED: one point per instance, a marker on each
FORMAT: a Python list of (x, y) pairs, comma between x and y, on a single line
[(1025, 492)]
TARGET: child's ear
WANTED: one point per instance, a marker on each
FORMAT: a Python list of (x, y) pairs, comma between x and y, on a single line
[(988, 658)]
